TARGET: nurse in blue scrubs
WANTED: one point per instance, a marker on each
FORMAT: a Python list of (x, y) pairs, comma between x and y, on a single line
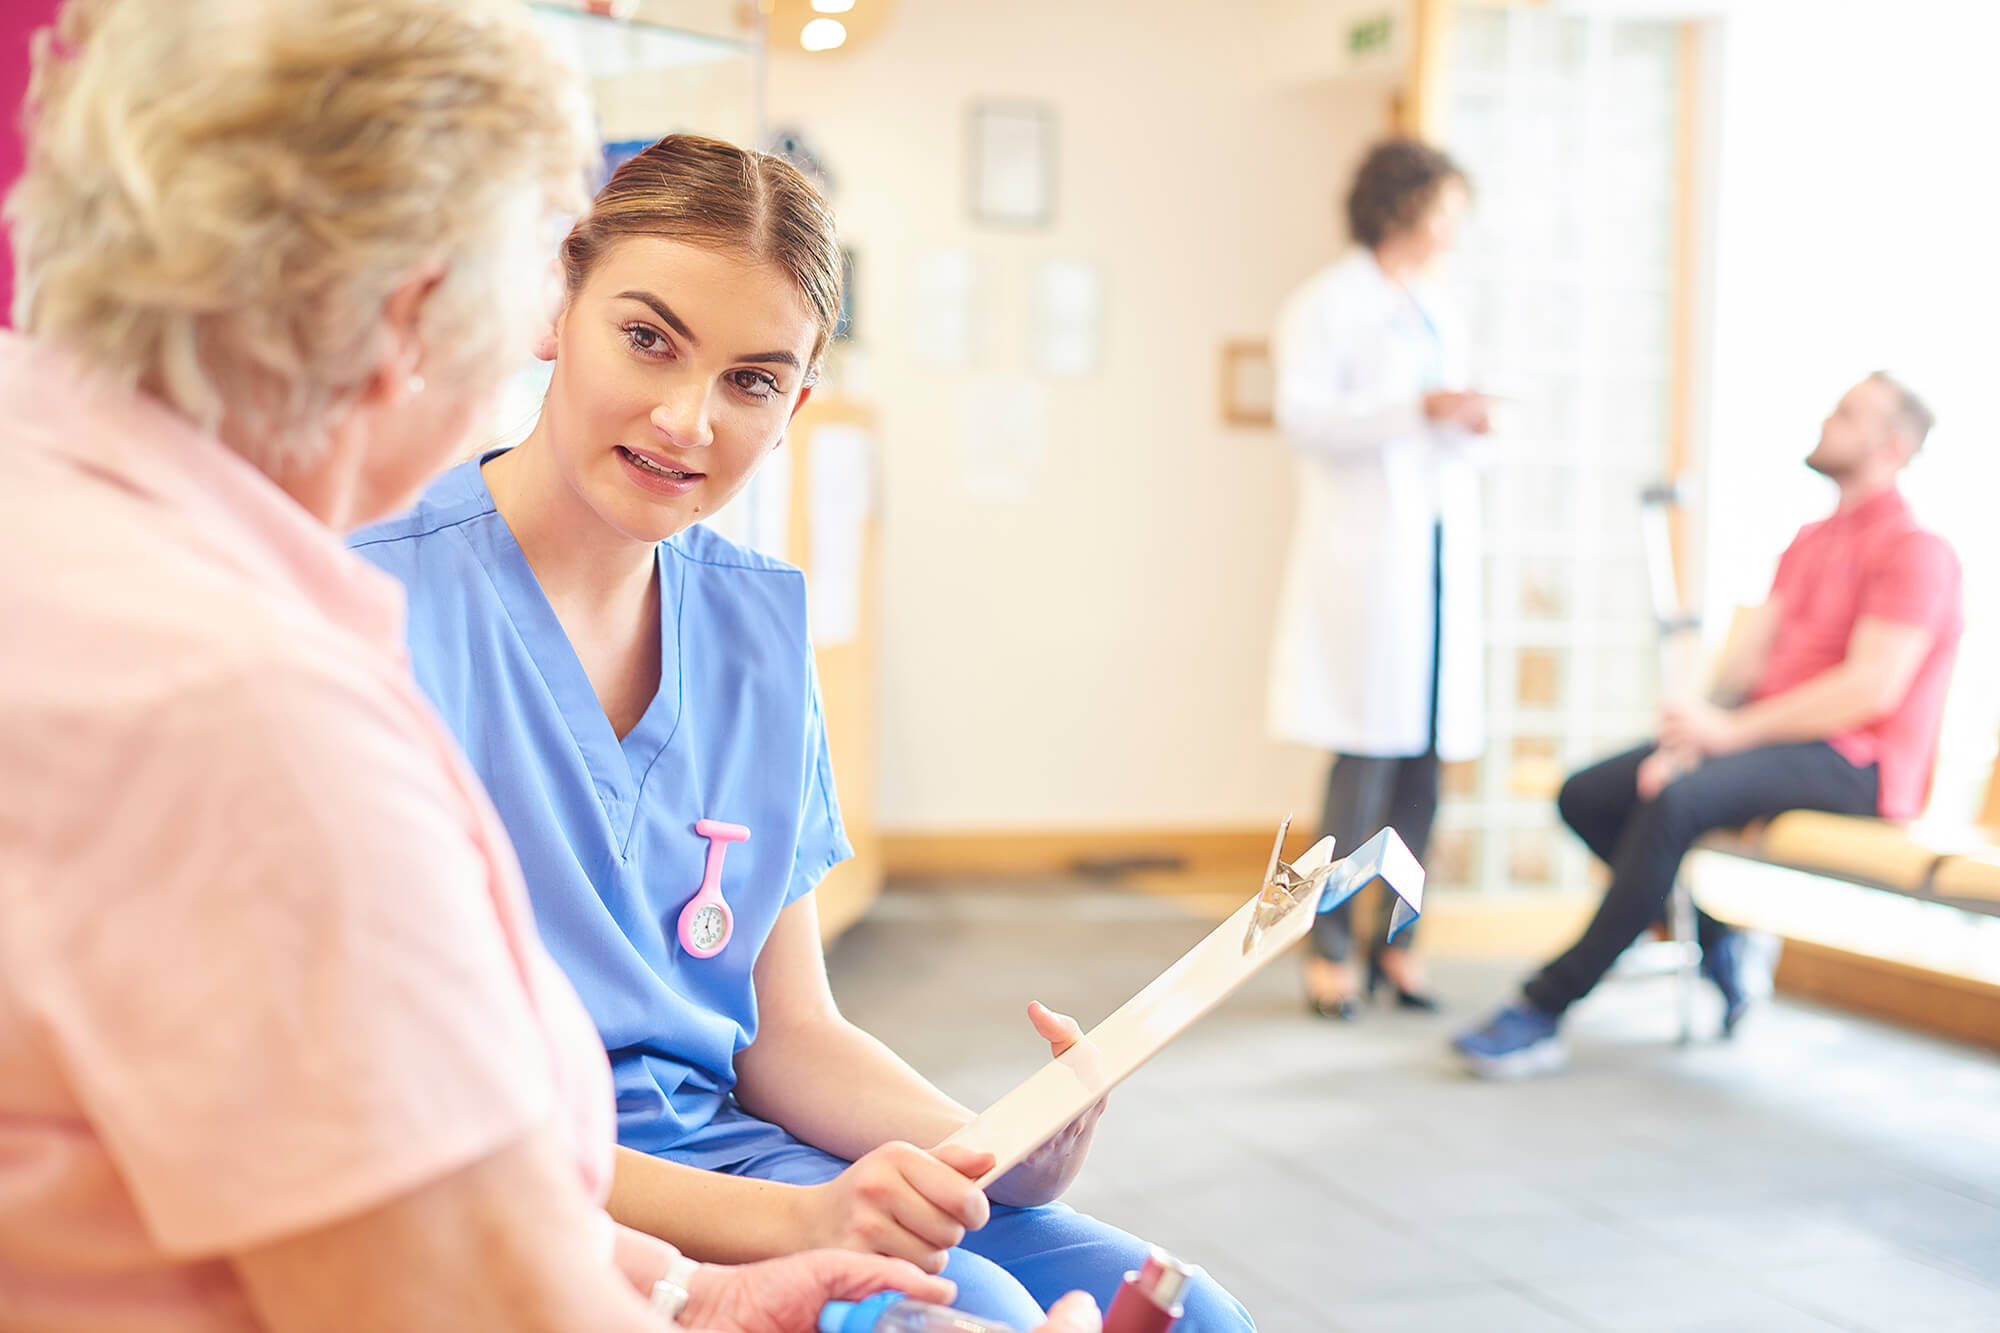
[(638, 695)]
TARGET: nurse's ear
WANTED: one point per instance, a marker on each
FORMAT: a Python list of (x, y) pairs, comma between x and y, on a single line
[(545, 340), (805, 396)]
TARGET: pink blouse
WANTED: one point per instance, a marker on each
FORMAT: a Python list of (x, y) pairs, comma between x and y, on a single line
[(266, 961)]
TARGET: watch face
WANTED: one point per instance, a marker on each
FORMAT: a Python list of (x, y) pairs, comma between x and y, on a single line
[(707, 929)]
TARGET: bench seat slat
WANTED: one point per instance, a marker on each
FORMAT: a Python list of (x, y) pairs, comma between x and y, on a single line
[(1870, 851), (1972, 875)]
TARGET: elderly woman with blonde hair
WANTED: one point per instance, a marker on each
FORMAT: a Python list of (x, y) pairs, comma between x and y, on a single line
[(279, 1047)]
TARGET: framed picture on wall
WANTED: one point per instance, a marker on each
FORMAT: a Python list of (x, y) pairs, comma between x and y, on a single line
[(1011, 157), (1249, 383)]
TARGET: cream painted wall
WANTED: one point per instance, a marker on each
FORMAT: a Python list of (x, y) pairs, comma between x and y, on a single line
[(1094, 657)]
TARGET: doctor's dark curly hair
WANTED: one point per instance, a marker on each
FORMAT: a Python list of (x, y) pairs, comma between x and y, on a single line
[(1395, 187)]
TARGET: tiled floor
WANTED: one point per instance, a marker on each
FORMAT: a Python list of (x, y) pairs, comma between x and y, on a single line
[(1820, 1173)]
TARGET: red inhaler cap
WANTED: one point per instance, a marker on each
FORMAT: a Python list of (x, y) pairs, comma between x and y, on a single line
[(1163, 1278), (1149, 1301)]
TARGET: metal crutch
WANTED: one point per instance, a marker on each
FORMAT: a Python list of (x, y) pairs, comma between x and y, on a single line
[(1672, 618)]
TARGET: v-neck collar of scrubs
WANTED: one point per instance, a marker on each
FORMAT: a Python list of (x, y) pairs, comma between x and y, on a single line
[(618, 767)]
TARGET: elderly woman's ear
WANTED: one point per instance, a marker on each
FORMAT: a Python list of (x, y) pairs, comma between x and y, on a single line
[(398, 375)]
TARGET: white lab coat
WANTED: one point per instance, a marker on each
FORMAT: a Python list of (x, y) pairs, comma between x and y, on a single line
[(1351, 665)]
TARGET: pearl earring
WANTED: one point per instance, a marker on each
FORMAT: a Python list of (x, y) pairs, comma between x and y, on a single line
[(414, 384)]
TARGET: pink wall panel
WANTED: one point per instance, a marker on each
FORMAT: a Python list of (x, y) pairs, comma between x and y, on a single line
[(18, 18)]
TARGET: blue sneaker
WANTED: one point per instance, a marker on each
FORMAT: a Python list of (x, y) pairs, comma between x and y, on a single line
[(1733, 964), (1518, 1042)]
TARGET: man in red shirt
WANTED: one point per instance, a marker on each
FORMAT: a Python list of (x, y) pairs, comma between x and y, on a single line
[(1831, 699)]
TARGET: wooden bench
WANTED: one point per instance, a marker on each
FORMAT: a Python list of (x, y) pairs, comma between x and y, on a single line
[(1957, 868)]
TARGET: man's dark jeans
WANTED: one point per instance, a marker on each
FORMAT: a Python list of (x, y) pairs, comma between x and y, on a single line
[(1643, 841)]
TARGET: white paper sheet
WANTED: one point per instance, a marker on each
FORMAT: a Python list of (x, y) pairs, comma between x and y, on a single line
[(840, 459), (1002, 438), (945, 309), (1013, 162), (1069, 317)]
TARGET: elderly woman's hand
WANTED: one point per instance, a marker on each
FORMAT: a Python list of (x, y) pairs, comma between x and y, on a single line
[(785, 1295), (1074, 1313)]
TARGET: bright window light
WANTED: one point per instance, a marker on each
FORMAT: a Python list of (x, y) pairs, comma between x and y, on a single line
[(832, 6), (823, 34)]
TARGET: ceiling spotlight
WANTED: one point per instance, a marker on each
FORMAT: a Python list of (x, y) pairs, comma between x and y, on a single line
[(823, 34), (832, 6)]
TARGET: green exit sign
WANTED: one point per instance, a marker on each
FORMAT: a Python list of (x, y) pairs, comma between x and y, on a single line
[(1370, 35)]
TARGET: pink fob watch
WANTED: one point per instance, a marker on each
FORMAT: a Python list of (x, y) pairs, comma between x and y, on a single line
[(706, 922)]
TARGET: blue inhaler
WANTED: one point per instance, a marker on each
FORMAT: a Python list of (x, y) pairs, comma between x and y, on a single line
[(893, 1312)]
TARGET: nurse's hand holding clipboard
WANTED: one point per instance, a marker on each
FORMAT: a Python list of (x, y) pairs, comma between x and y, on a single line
[(911, 1203), (900, 1201), (1046, 1173)]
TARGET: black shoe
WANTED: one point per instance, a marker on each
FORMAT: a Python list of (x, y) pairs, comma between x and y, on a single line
[(1405, 999), (1347, 1008), (1722, 963)]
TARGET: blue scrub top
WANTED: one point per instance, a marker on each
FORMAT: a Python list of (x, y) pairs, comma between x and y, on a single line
[(605, 828)]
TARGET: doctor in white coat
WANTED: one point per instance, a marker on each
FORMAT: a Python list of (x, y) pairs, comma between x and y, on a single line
[(1378, 647)]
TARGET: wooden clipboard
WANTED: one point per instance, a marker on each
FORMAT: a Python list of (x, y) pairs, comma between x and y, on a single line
[(1061, 1090)]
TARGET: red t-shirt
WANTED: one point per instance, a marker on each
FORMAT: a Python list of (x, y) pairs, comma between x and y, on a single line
[(1871, 560)]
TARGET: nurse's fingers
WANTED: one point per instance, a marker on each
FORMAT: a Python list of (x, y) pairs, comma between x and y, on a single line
[(892, 1179), (947, 1188), (926, 1224), (911, 1251), (972, 1165), (873, 1207), (1060, 1031), (881, 1233)]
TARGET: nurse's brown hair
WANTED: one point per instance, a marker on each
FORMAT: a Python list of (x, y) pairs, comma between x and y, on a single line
[(707, 192)]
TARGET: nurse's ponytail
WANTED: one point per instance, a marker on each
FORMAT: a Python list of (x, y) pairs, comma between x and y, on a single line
[(704, 191)]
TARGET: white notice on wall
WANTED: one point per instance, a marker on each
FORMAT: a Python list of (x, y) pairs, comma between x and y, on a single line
[(1002, 438), (1069, 317), (945, 320), (840, 460)]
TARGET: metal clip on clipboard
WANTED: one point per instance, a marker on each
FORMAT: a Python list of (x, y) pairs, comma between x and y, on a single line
[(1326, 884)]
